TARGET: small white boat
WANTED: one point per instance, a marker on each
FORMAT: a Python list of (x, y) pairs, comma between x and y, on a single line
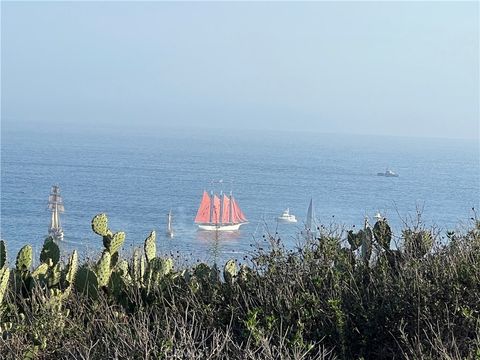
[(388, 173), (286, 217)]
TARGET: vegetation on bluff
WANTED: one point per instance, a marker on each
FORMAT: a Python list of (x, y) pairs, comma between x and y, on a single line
[(330, 298)]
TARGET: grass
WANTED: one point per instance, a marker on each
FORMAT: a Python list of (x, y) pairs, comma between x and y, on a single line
[(322, 300)]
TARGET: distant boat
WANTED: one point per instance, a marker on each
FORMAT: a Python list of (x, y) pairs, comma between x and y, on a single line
[(310, 230), (55, 204), (219, 212), (286, 217), (387, 173), (169, 224)]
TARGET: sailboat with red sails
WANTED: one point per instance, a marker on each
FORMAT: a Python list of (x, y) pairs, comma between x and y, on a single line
[(219, 213)]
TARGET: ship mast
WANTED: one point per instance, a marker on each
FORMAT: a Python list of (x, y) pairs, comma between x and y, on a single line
[(211, 206), (220, 219), (230, 203)]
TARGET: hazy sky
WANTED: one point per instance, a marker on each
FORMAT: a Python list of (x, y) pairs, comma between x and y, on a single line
[(408, 68)]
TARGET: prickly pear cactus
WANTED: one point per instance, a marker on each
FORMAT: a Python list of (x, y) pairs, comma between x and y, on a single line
[(382, 233), (54, 275), (230, 271), (204, 273), (4, 276), (150, 247), (122, 269), (115, 242), (40, 271), (50, 250), (72, 267), (367, 238), (24, 258), (100, 224), (136, 273), (3, 254), (103, 269), (86, 282), (355, 240), (158, 268), (167, 266), (116, 284)]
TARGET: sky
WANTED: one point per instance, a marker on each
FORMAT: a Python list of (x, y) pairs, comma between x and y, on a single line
[(381, 68)]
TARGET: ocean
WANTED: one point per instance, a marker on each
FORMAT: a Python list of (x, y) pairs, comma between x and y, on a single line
[(136, 179)]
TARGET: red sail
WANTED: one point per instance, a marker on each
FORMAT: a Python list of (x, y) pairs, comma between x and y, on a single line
[(226, 210), (203, 213), (238, 215), (216, 210)]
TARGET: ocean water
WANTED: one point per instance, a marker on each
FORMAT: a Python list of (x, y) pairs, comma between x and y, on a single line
[(136, 179)]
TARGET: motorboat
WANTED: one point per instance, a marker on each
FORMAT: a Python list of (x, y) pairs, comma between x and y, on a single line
[(286, 217), (388, 173)]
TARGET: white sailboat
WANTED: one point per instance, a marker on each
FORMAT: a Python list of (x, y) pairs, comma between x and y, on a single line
[(310, 230), (55, 205), (169, 225), (219, 213)]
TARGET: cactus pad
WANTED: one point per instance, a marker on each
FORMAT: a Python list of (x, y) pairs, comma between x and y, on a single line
[(382, 233), (4, 276), (86, 282), (24, 258), (41, 270), (230, 271), (204, 273), (114, 243), (50, 250), (103, 268), (100, 224), (122, 267), (72, 267), (136, 273), (54, 276), (167, 266), (355, 240), (150, 247), (367, 237), (3, 254), (161, 267), (116, 284)]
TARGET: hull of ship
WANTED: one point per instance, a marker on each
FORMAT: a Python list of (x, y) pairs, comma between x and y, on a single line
[(56, 234), (286, 220), (218, 227)]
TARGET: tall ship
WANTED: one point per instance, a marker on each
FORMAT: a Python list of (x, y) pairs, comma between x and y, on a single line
[(55, 205), (219, 213)]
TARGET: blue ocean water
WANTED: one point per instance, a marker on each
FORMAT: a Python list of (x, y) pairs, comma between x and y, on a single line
[(136, 179)]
